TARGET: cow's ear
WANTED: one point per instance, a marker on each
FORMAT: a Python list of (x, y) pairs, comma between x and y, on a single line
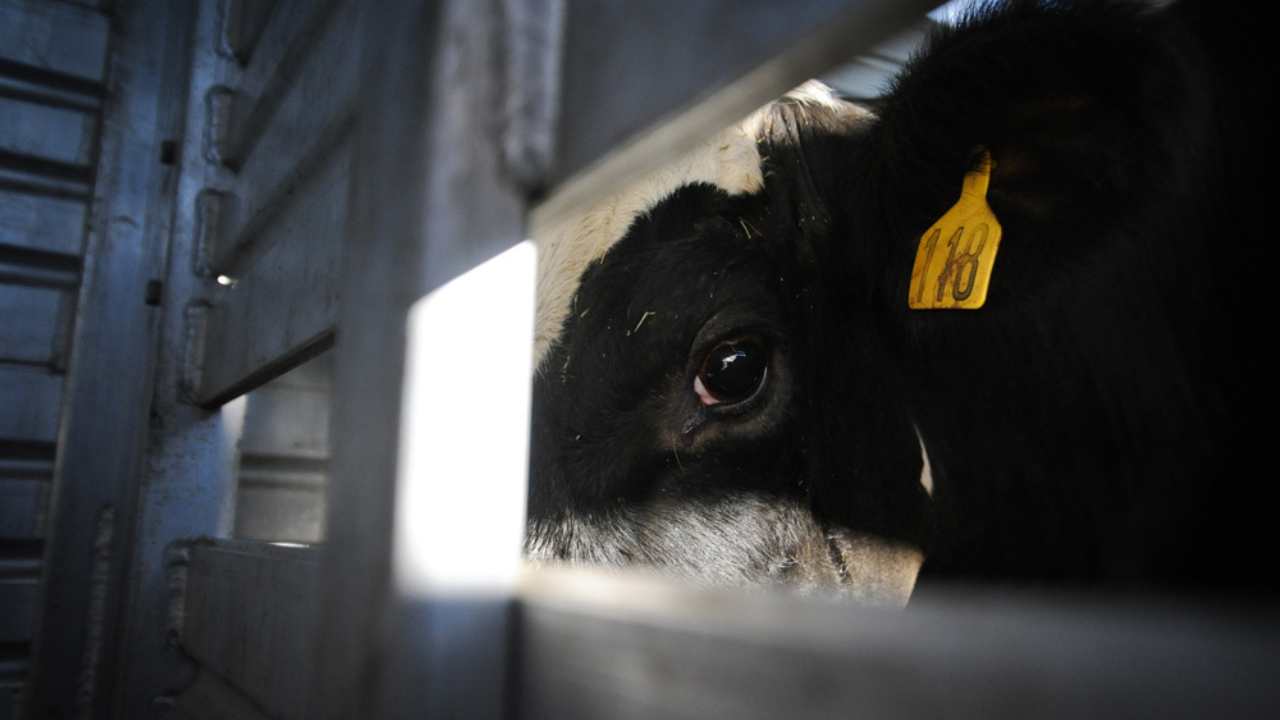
[(1073, 107)]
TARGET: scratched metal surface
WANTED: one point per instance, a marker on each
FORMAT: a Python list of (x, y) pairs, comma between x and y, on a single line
[(52, 59)]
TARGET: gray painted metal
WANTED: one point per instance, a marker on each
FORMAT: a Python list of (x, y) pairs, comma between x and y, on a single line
[(31, 398), (595, 644), (187, 480), (619, 647), (51, 64), (284, 420), (261, 643), (430, 200), (105, 421), (280, 506), (42, 223), (278, 43), (32, 327), (43, 131), (211, 698), (243, 23), (641, 83), (284, 453), (280, 226), (56, 37), (18, 598), (284, 303), (24, 498)]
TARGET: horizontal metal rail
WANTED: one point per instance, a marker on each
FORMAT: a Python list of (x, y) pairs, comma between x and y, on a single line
[(594, 644)]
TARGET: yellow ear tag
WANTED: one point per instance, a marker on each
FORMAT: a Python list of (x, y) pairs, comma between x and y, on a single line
[(955, 258)]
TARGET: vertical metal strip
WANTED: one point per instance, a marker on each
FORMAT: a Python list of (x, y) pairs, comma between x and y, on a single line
[(105, 423), (431, 198)]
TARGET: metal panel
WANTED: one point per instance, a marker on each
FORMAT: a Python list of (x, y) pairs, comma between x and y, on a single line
[(622, 647), (273, 509), (292, 132), (53, 36), (18, 598), (25, 471), (284, 304), (281, 39), (279, 223), (23, 504), (287, 421), (52, 133), (31, 398), (10, 696), (32, 325), (42, 223), (642, 84), (284, 452), (105, 421), (260, 642)]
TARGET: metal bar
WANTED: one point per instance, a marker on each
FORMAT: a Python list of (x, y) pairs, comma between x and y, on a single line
[(611, 645), (105, 420), (631, 647), (642, 84), (430, 200), (188, 477)]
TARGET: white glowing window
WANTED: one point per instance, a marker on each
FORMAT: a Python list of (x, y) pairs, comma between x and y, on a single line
[(464, 439)]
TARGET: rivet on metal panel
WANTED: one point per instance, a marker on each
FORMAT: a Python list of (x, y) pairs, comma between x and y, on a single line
[(534, 37), (219, 111), (196, 316), (211, 206)]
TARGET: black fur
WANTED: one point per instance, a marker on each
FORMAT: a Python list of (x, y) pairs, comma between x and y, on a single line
[(1099, 421)]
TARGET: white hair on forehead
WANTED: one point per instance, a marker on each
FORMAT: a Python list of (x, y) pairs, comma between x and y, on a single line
[(730, 161)]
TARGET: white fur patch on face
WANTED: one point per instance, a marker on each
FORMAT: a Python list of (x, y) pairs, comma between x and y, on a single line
[(730, 161), (740, 540)]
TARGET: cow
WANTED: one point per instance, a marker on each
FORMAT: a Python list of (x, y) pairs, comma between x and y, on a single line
[(768, 364)]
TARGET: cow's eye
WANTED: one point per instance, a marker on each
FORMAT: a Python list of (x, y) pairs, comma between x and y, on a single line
[(732, 372)]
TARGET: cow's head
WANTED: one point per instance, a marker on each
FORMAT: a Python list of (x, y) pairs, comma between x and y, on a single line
[(702, 401)]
